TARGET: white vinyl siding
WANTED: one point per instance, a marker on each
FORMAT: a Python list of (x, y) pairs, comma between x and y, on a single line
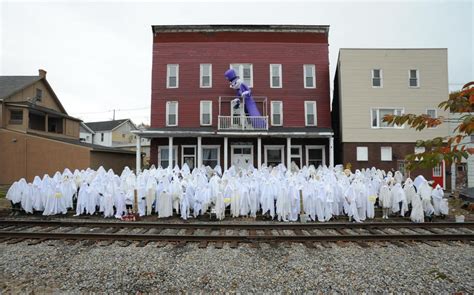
[(277, 113), (413, 78), (377, 78), (309, 76), (310, 112), (362, 153), (205, 76), (172, 113), (386, 153), (377, 115), (206, 113), (172, 76), (275, 76), (245, 72)]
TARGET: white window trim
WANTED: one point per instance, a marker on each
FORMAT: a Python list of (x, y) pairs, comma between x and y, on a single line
[(275, 147), (313, 70), (240, 72), (234, 146), (281, 112), (201, 112), (182, 154), (391, 154), (168, 76), (378, 114), (367, 154), (280, 76), (315, 109), (436, 116), (211, 147), (175, 154), (381, 78), (201, 76), (300, 156), (417, 78), (309, 147), (167, 112)]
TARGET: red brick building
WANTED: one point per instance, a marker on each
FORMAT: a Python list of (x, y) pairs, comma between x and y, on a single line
[(287, 68)]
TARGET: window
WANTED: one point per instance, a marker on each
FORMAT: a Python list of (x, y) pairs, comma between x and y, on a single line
[(362, 153), (16, 117), (277, 113), (210, 155), (275, 76), (205, 76), (378, 114), (172, 113), (386, 153), (296, 155), (401, 167), (315, 155), (172, 76), (432, 113), (188, 155), (437, 171), (245, 72), (206, 113), (102, 137), (163, 156), (310, 113), (273, 155), (309, 76), (413, 79), (39, 94), (377, 78)]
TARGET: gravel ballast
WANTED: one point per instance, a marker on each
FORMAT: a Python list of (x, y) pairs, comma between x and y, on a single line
[(55, 267)]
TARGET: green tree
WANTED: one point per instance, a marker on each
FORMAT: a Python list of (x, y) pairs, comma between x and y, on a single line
[(451, 148)]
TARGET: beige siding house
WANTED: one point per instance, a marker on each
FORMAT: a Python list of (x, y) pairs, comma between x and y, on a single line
[(370, 83)]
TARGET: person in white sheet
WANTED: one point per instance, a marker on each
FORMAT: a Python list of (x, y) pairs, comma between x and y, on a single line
[(385, 199)]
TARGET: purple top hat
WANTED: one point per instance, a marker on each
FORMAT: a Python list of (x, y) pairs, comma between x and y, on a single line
[(230, 75)]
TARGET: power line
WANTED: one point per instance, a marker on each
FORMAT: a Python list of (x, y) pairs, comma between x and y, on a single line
[(113, 110)]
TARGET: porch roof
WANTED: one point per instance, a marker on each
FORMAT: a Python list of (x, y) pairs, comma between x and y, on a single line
[(212, 132)]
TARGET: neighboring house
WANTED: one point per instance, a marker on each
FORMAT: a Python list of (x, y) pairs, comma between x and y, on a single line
[(117, 134), (192, 119), (370, 83), (85, 133), (37, 136), (462, 173)]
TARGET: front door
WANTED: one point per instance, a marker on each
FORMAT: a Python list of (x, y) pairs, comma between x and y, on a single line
[(242, 156), (438, 175)]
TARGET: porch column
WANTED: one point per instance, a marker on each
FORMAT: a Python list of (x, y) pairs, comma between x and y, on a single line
[(170, 152), (331, 151), (226, 140), (288, 153), (138, 163), (199, 161), (259, 152)]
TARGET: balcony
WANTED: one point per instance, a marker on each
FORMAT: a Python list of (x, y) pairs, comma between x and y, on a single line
[(234, 118)]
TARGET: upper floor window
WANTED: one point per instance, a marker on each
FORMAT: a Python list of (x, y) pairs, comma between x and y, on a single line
[(275, 76), (206, 112), (172, 113), (16, 117), (414, 79), (309, 76), (205, 76), (102, 136), (310, 113), (379, 113), (377, 78), (172, 76), (39, 94), (277, 113), (245, 72), (432, 114)]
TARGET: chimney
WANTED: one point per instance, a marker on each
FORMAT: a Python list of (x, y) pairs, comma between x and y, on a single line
[(42, 73)]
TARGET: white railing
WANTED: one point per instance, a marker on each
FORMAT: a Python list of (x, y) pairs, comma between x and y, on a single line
[(243, 123)]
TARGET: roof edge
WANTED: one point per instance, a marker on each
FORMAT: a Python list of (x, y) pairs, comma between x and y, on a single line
[(239, 28)]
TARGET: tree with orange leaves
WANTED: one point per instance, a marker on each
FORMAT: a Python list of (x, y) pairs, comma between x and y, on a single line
[(451, 149)]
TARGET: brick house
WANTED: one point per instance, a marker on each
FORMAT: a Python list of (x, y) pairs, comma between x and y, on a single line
[(370, 83), (192, 119)]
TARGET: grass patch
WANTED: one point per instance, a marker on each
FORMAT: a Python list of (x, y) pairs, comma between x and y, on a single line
[(440, 275)]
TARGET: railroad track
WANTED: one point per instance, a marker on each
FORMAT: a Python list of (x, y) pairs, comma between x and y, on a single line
[(36, 231)]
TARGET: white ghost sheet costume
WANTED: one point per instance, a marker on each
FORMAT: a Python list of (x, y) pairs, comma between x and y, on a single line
[(416, 214), (398, 196), (410, 190), (38, 199), (267, 198), (437, 194), (425, 193), (385, 199), (350, 206)]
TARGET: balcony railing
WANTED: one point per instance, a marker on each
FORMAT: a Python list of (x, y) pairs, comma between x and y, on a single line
[(243, 123)]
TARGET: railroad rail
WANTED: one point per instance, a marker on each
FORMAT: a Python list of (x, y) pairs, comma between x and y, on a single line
[(12, 231)]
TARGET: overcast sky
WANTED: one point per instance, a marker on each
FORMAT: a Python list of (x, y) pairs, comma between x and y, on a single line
[(98, 54)]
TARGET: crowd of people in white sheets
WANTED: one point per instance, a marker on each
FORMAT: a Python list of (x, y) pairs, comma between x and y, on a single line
[(275, 192)]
